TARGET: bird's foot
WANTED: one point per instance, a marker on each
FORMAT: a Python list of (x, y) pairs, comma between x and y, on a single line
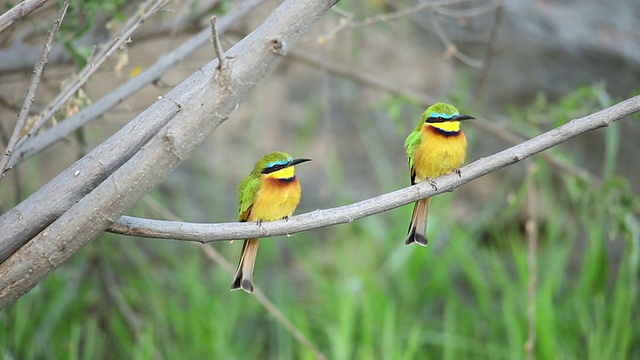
[(259, 223), (458, 172), (433, 184)]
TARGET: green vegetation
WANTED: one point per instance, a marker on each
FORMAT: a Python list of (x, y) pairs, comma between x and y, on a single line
[(355, 291)]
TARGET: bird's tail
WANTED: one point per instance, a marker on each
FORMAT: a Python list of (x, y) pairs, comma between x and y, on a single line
[(243, 278), (418, 227)]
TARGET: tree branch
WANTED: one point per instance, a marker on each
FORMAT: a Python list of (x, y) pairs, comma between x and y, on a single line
[(85, 174), (37, 144), (199, 232), (17, 12), (494, 129), (187, 126), (31, 91), (94, 64)]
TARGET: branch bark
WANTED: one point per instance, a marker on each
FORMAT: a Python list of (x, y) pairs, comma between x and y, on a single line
[(37, 144), (17, 12), (31, 91), (94, 64), (85, 174), (195, 109), (204, 233)]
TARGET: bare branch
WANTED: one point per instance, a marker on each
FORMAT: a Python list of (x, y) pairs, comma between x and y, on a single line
[(349, 24), (450, 48), (269, 306), (17, 12), (531, 227), (37, 144), (83, 176), (127, 225), (93, 65), (491, 49), (223, 64), (31, 91), (183, 132)]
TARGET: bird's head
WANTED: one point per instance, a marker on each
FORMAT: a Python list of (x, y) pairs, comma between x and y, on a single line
[(444, 117), (277, 165)]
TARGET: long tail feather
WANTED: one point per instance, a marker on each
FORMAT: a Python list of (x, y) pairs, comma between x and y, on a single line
[(418, 228), (243, 278)]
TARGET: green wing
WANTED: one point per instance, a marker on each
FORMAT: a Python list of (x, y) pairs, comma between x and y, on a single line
[(411, 144), (247, 192)]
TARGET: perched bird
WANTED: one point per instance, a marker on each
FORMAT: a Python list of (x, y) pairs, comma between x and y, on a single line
[(271, 192), (436, 147)]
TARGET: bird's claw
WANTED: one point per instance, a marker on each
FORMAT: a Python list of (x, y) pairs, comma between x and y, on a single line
[(259, 223), (458, 172), (433, 184), (286, 218)]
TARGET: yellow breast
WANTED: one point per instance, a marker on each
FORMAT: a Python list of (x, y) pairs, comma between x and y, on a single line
[(438, 154), (275, 199)]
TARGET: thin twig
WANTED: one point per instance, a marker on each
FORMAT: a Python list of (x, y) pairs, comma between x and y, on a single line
[(223, 64), (531, 228), (18, 11), (468, 12), (451, 48), (31, 91), (491, 49), (349, 24), (267, 304), (17, 184), (344, 214), (49, 137), (94, 64)]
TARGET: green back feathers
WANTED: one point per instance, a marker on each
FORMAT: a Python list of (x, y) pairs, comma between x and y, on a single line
[(248, 188), (436, 110)]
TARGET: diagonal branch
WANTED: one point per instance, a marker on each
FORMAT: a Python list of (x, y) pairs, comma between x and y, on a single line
[(84, 175), (92, 66), (31, 91), (127, 225), (195, 118), (17, 12), (37, 144)]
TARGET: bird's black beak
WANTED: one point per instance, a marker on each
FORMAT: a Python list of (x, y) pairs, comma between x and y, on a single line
[(298, 161), (461, 117)]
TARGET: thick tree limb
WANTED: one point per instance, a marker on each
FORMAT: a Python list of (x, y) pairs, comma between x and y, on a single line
[(128, 225), (84, 175), (202, 105)]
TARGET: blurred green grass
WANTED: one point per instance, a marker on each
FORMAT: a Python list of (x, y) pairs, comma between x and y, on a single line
[(355, 290)]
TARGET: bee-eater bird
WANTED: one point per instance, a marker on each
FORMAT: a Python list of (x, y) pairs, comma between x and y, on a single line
[(435, 147), (271, 192)]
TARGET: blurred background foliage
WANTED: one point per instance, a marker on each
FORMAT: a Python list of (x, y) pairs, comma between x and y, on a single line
[(355, 291)]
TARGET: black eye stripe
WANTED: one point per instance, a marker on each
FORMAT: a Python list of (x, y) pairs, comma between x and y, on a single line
[(273, 168), (436, 119)]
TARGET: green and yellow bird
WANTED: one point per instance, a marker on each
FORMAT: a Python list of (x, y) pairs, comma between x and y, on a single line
[(436, 147), (271, 192)]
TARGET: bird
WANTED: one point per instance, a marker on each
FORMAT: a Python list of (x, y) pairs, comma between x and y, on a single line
[(271, 192), (437, 146)]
